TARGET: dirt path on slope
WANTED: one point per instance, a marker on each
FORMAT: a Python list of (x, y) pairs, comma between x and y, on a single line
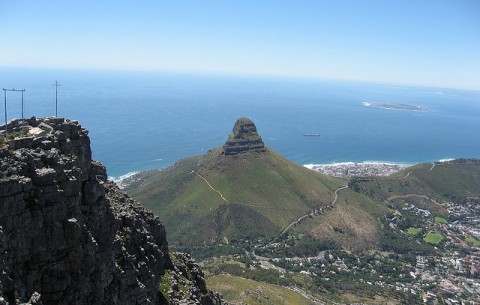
[(413, 195), (210, 186), (312, 213)]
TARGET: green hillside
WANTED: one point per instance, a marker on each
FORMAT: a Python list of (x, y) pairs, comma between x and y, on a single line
[(428, 186), (262, 194), (244, 190), (237, 290), (273, 232), (353, 223)]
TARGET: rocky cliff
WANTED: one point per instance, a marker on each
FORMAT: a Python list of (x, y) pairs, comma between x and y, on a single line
[(244, 138), (70, 236)]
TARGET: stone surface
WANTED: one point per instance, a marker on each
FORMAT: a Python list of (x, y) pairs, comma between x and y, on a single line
[(67, 234), (243, 139), (187, 283)]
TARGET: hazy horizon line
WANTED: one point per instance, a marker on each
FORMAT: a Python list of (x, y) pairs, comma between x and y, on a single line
[(243, 74)]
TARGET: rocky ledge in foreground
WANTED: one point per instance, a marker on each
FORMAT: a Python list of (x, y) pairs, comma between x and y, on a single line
[(70, 236)]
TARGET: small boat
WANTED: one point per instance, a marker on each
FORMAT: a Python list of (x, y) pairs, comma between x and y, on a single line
[(311, 134)]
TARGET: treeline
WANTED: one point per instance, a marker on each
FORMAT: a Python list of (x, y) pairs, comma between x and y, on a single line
[(203, 252), (303, 247), (401, 244)]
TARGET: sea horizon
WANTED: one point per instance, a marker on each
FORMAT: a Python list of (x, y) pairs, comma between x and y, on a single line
[(139, 121)]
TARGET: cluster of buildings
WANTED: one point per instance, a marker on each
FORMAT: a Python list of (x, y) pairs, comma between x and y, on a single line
[(354, 169), (454, 274), (451, 276)]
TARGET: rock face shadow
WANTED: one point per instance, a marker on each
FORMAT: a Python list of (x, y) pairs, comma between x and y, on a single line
[(70, 236)]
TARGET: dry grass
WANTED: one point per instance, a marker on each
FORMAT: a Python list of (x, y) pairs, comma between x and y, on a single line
[(353, 222)]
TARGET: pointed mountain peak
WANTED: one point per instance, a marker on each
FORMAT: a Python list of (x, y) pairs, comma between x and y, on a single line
[(243, 139)]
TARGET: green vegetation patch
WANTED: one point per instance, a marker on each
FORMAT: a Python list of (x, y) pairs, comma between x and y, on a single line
[(393, 241), (207, 198), (433, 238), (165, 284), (3, 142), (414, 231), (441, 220), (236, 289), (472, 241), (427, 187)]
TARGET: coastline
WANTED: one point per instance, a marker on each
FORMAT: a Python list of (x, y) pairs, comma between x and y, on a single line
[(119, 180), (359, 169), (337, 169), (367, 162), (365, 168)]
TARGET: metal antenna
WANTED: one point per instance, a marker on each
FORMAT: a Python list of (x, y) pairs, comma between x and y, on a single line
[(6, 129), (5, 91), (22, 104), (56, 97)]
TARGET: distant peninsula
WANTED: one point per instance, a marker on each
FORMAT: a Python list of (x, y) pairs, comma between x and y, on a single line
[(394, 106)]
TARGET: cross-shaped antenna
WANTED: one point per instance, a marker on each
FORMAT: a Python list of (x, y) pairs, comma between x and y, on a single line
[(56, 97)]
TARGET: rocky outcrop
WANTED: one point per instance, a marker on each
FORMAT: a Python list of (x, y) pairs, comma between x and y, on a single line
[(186, 282), (67, 234), (244, 139)]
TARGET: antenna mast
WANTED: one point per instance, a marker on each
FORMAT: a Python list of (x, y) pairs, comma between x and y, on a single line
[(56, 97), (5, 91)]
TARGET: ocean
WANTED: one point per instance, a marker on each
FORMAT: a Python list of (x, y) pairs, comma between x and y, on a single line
[(144, 120)]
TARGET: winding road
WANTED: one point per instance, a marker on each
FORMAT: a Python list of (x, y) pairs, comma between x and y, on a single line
[(428, 170), (312, 213), (413, 195)]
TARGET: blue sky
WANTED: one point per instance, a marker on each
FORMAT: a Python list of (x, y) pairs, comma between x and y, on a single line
[(420, 42)]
